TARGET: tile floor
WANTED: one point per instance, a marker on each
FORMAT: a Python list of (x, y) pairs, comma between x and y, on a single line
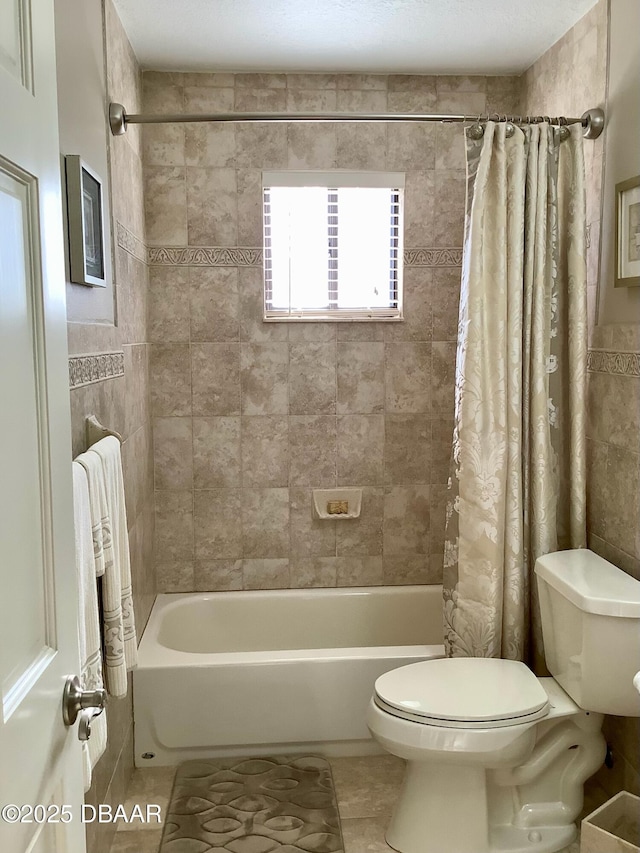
[(366, 789)]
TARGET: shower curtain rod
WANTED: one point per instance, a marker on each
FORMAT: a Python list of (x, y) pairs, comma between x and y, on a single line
[(592, 120)]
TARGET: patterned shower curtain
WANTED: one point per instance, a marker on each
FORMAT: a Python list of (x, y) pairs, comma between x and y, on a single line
[(517, 484)]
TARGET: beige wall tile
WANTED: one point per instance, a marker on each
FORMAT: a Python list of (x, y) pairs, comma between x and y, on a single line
[(212, 207), (170, 377), (165, 210), (312, 451), (411, 102), (174, 526), (163, 144), (261, 146), (313, 572), (311, 100), (361, 146), (417, 307), (265, 377), (265, 523), (411, 145), (407, 449), (359, 571), (360, 443), (419, 210), (250, 208), (266, 574), (363, 536), (312, 332), (312, 378), (252, 326), (399, 571), (441, 446), (310, 536), (168, 304), (216, 379), (215, 304), (136, 387), (407, 378), (406, 520), (443, 375), (208, 99), (217, 524), (216, 453), (614, 409), (212, 145), (217, 575), (445, 300), (421, 83), (261, 81), (361, 101), (260, 100), (311, 81), (173, 453), (360, 378), (175, 576), (265, 451), (200, 78), (312, 146)]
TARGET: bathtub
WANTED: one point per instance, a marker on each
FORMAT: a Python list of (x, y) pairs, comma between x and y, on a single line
[(233, 673)]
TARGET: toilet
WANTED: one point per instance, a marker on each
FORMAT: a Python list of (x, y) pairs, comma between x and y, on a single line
[(497, 757)]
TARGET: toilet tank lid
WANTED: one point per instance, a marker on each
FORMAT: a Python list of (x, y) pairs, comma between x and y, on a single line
[(591, 583)]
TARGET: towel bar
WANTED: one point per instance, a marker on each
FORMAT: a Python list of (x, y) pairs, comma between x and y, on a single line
[(94, 431)]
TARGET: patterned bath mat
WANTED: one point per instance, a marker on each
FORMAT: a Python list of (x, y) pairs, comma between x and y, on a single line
[(285, 804)]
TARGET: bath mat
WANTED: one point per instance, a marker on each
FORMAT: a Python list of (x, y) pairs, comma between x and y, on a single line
[(284, 804)]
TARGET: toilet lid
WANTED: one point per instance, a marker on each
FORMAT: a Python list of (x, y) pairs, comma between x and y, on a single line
[(469, 692)]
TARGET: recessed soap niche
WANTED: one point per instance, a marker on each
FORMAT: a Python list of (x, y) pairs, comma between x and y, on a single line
[(333, 504)]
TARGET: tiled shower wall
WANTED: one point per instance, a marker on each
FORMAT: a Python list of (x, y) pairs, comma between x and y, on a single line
[(613, 430), (109, 379), (248, 417)]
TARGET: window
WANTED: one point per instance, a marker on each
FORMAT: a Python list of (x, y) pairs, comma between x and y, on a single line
[(333, 245)]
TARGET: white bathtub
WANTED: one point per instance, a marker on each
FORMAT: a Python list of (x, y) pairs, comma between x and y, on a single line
[(233, 673)]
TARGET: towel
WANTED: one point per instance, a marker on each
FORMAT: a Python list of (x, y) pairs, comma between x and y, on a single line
[(121, 646), (100, 521), (88, 618)]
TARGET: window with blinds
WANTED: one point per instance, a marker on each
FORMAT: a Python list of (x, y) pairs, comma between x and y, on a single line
[(333, 245)]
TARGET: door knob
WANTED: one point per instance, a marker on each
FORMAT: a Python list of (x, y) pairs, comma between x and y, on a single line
[(75, 699)]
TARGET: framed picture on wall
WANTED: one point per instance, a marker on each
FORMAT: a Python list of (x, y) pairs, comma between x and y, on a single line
[(628, 233), (86, 223)]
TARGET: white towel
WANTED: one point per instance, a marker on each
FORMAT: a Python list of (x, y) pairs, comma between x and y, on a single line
[(88, 619), (100, 521), (121, 646)]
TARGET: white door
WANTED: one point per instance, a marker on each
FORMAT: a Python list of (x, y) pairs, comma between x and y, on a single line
[(40, 758)]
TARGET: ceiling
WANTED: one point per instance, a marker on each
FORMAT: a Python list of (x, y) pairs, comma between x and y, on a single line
[(375, 36)]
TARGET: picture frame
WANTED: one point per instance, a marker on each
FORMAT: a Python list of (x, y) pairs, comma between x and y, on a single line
[(627, 273), (85, 218)]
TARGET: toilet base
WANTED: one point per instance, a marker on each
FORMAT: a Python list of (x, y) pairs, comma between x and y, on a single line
[(428, 817)]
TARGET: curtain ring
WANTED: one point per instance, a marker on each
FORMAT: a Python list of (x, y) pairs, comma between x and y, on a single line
[(476, 131), (565, 133)]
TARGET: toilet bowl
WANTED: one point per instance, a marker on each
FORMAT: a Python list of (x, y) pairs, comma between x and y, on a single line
[(496, 757)]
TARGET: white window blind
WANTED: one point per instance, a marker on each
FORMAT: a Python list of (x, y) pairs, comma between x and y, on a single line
[(333, 245)]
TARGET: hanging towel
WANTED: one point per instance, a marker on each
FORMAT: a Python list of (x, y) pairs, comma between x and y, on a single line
[(100, 521), (88, 619), (121, 646)]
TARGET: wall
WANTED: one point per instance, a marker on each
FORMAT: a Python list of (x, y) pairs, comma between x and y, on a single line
[(248, 417), (81, 77), (572, 76), (109, 363)]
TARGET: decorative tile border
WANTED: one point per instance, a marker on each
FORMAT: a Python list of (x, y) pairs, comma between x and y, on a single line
[(87, 369), (204, 256), (242, 256), (130, 243), (619, 363), (432, 257)]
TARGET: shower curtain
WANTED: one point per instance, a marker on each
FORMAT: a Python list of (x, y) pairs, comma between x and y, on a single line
[(517, 484)]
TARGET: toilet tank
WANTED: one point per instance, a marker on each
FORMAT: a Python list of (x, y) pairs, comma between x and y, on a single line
[(590, 613)]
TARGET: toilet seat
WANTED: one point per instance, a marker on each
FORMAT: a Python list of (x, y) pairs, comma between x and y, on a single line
[(463, 693)]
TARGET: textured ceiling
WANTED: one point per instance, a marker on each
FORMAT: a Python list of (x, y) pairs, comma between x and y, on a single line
[(376, 36)]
